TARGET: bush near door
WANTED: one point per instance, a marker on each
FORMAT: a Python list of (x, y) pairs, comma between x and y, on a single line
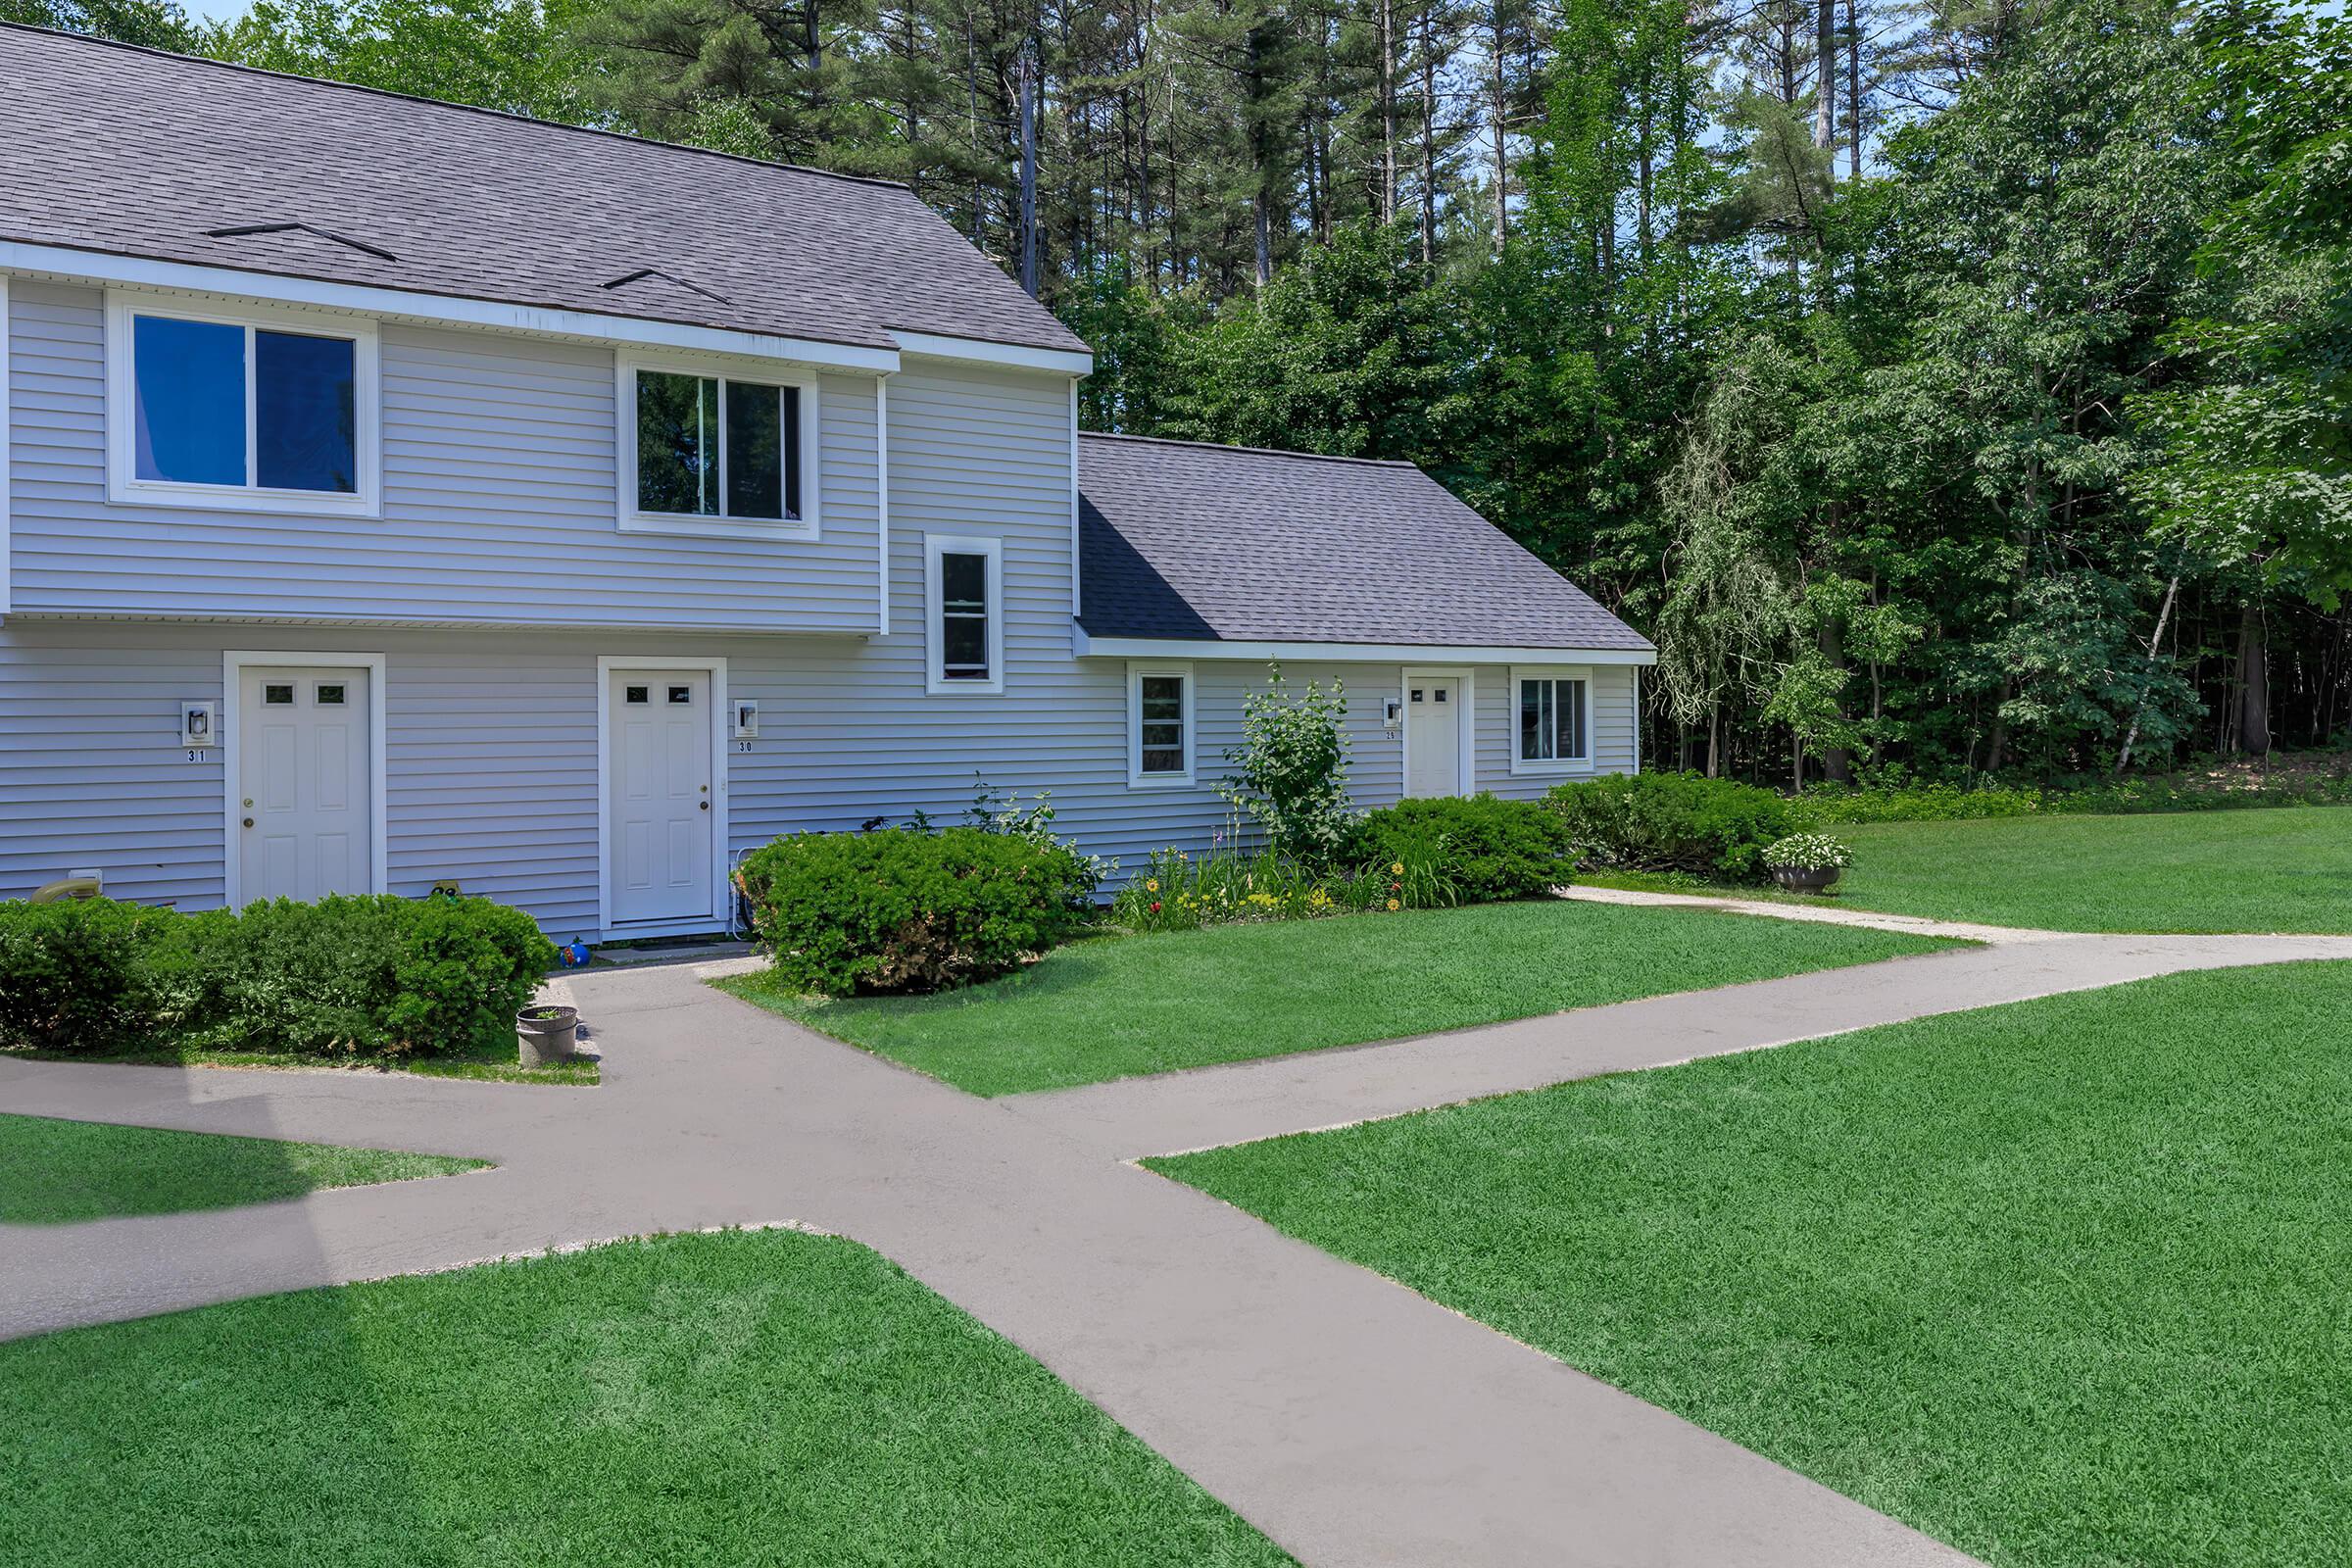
[(358, 975), (904, 910), (1711, 827), (1486, 847)]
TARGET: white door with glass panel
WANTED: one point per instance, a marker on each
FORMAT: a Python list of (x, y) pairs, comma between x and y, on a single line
[(660, 810), (306, 782), (1433, 728)]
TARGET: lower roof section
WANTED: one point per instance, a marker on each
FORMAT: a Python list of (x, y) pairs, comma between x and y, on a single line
[(1089, 645)]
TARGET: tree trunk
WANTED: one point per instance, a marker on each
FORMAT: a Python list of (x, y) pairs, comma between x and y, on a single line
[(1502, 116), (2164, 614), (1387, 111), (1025, 83), (2253, 682), (1429, 148), (1853, 89), (1825, 76)]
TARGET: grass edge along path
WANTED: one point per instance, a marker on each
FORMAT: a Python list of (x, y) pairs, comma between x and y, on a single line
[(735, 1396), (2058, 1282), (57, 1171), (1118, 1007)]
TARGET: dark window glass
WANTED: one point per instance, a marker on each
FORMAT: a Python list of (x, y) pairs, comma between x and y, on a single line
[(1568, 720), (330, 694), (305, 413), (1162, 724), (681, 694), (1440, 694), (964, 617), (637, 694), (1551, 720), (677, 445), (277, 696), (754, 450), (189, 383), (1533, 696)]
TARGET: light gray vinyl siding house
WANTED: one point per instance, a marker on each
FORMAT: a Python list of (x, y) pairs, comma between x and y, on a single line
[(458, 645)]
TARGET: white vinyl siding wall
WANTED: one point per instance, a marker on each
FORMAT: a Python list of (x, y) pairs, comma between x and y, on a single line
[(498, 477)]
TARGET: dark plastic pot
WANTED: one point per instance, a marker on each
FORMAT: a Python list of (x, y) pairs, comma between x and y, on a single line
[(1805, 878), (547, 1035)]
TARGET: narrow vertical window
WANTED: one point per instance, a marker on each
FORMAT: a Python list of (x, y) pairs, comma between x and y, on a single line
[(305, 412), (964, 617), (1161, 724)]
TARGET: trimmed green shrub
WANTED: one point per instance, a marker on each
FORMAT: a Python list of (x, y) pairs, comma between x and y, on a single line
[(365, 975), (87, 974), (1709, 828), (1486, 847), (900, 909)]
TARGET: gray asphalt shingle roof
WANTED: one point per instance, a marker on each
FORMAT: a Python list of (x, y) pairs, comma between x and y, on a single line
[(132, 152), (1233, 544)]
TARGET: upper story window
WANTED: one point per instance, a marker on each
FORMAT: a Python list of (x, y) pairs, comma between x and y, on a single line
[(1554, 721), (1159, 724), (707, 452), (963, 594), (259, 410)]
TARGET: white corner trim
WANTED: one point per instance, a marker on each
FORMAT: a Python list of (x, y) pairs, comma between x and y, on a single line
[(979, 351), (233, 663), (1137, 778), (935, 544), (1074, 564), (628, 518), (1465, 721), (431, 310), (1091, 647), (720, 837), (1554, 767), (1637, 720), (882, 505), (7, 439), (125, 487)]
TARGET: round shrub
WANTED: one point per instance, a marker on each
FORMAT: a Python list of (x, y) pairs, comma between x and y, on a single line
[(902, 909), (1485, 846), (1712, 827), (88, 974), (1807, 852)]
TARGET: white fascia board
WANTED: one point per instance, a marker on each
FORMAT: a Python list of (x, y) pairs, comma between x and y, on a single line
[(1087, 647), (979, 351), (436, 309)]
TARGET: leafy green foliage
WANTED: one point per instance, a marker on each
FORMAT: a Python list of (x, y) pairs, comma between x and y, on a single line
[(1291, 768), (88, 974), (1807, 852), (352, 975), (1178, 891), (1483, 847), (900, 909), (1673, 822)]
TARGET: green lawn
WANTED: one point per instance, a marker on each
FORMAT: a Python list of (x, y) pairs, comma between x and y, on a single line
[(54, 1171), (766, 1398), (2061, 1282), (1113, 1007)]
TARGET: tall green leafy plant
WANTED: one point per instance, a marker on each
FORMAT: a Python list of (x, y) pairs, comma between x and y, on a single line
[(1291, 768)]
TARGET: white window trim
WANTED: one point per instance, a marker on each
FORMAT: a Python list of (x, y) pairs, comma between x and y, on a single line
[(633, 519), (231, 734), (935, 544), (1137, 778), (125, 488), (722, 888), (1553, 765), (1465, 720)]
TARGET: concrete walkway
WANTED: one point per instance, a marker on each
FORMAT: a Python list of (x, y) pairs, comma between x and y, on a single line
[(1351, 1420)]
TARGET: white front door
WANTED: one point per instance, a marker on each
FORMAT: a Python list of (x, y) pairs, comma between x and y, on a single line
[(1432, 748), (659, 775), (307, 816)]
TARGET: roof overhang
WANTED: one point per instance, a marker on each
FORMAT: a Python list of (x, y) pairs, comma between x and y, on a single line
[(66, 264), (979, 351), (1085, 645)]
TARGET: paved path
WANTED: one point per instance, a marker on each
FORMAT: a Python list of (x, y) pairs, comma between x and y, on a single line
[(1351, 1420)]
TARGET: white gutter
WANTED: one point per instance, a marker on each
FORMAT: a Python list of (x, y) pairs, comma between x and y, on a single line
[(1084, 646)]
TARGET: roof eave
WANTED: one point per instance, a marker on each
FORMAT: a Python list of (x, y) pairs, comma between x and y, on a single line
[(1087, 645)]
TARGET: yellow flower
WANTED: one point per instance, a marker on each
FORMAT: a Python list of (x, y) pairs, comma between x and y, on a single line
[(1396, 868), (1151, 884), (1394, 905)]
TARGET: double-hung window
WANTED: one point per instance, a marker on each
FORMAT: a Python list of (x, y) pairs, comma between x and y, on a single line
[(706, 452), (1159, 724), (1554, 721), (963, 593), (260, 410)]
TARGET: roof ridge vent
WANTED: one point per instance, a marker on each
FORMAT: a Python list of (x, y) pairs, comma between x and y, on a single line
[(643, 272), (246, 230)]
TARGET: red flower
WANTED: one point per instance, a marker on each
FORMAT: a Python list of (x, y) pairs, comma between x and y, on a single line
[(1155, 907)]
